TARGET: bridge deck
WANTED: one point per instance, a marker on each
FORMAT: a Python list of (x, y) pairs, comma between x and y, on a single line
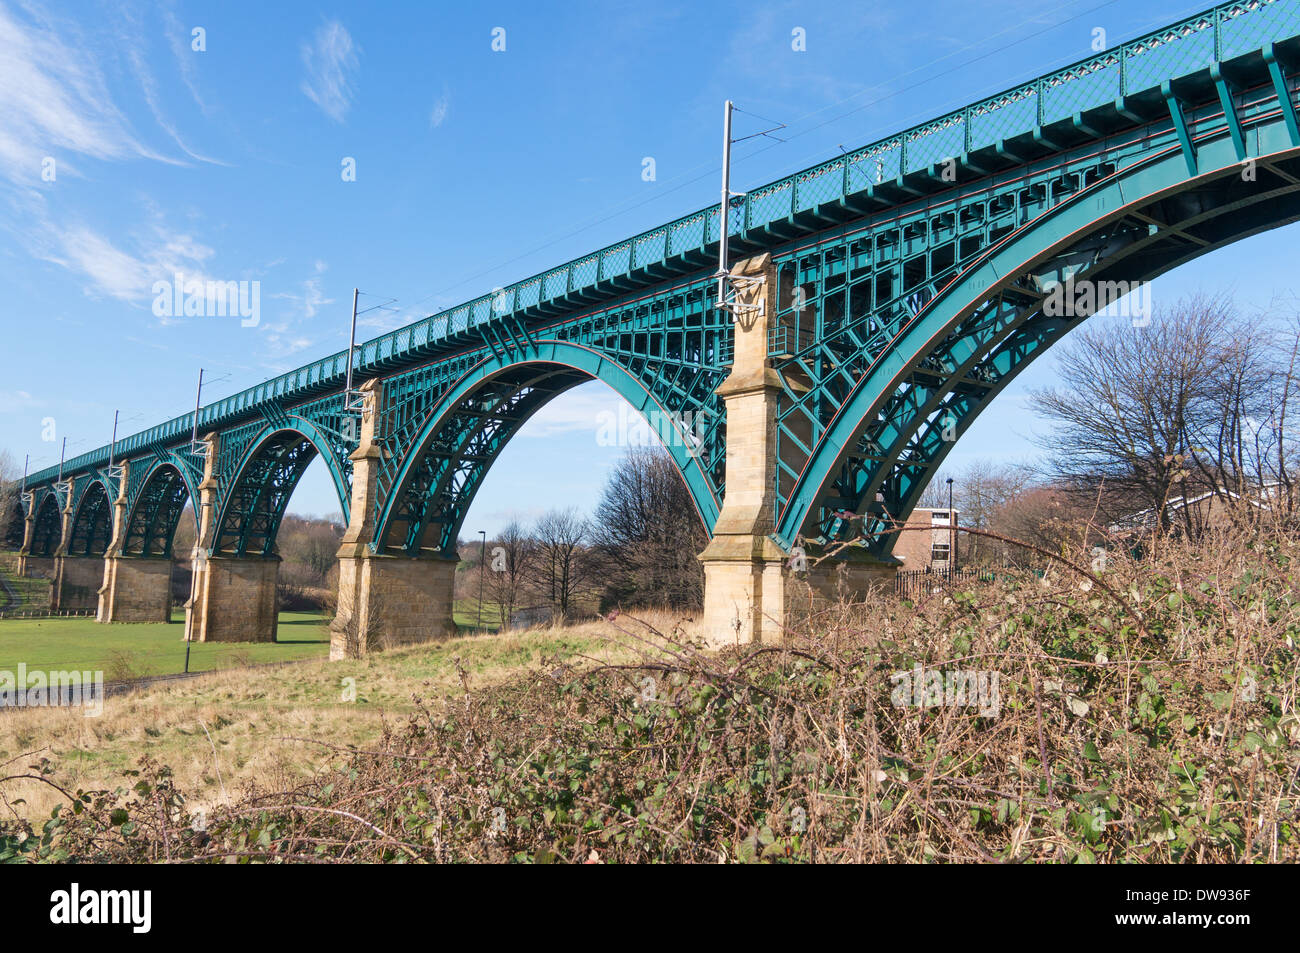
[(1092, 97)]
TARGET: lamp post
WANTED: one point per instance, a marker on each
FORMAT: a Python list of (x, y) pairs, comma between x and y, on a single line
[(952, 534), (482, 564)]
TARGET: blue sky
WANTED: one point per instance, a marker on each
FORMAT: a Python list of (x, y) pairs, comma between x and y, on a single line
[(473, 168)]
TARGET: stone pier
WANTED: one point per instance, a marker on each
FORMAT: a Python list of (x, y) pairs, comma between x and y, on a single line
[(753, 590), (384, 600), (233, 599), (77, 580), (133, 588), (29, 566), (389, 601), (35, 567), (136, 589)]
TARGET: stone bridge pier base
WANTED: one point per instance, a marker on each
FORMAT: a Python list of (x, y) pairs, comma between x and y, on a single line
[(28, 565), (136, 589), (390, 601), (77, 580), (233, 599), (753, 590), (35, 567), (385, 600)]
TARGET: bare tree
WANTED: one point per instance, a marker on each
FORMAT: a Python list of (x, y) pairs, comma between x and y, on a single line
[(560, 568), (1282, 464), (648, 535), (11, 518), (979, 490), (510, 557), (1043, 516), (1137, 406)]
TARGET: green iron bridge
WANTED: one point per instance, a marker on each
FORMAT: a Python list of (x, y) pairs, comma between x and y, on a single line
[(883, 299)]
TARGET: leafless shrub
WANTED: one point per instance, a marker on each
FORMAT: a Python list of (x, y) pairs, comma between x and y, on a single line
[(1145, 712)]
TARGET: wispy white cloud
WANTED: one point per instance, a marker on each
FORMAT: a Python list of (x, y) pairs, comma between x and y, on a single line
[(331, 62), (132, 43), (582, 409), (56, 102), (128, 269), (282, 334), (441, 106), (12, 401), (149, 85), (180, 38)]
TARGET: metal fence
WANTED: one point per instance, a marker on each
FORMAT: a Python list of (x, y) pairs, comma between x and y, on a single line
[(46, 613), (919, 582)]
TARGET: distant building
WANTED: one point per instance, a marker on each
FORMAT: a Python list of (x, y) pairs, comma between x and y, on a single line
[(1199, 511), (531, 616), (927, 540)]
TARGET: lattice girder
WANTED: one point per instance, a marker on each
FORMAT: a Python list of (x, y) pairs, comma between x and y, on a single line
[(47, 532), (893, 444), (92, 524), (252, 508), (155, 512)]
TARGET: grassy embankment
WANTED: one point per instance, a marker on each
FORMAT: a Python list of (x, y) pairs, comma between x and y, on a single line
[(264, 723), (1143, 711)]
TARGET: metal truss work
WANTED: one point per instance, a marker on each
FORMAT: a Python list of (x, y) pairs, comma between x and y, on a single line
[(898, 346), (92, 526), (913, 280), (444, 424), (47, 532), (257, 499), (155, 509), (14, 534)]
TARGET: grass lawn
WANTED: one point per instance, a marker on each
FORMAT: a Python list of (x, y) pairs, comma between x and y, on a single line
[(127, 650), (269, 725), (30, 593), (466, 614), (149, 648)]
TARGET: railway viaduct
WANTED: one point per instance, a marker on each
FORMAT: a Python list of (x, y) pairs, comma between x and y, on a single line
[(882, 299)]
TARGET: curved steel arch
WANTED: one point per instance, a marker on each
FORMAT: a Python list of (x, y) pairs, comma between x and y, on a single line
[(460, 439), (92, 522), (963, 346), (253, 506), (47, 533), (15, 529), (155, 512)]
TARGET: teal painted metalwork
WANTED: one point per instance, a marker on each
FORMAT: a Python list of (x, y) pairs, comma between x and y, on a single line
[(912, 276)]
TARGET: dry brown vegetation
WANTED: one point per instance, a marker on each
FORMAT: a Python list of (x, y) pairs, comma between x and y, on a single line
[(1145, 712), (221, 731)]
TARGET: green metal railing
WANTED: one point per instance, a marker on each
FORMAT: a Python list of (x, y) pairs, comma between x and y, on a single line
[(1219, 34)]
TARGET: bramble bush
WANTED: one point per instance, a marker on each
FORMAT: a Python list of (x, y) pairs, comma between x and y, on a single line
[(1146, 712)]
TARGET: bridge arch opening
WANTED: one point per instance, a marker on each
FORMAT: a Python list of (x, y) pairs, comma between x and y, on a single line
[(92, 525), (15, 528), (242, 582), (258, 498), (961, 347), (47, 531), (151, 524), (469, 431)]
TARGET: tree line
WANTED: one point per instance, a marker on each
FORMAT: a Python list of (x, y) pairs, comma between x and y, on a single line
[(1150, 426), (637, 549), (1198, 401)]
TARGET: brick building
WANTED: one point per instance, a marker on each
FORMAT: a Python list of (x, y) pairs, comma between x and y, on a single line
[(927, 540)]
